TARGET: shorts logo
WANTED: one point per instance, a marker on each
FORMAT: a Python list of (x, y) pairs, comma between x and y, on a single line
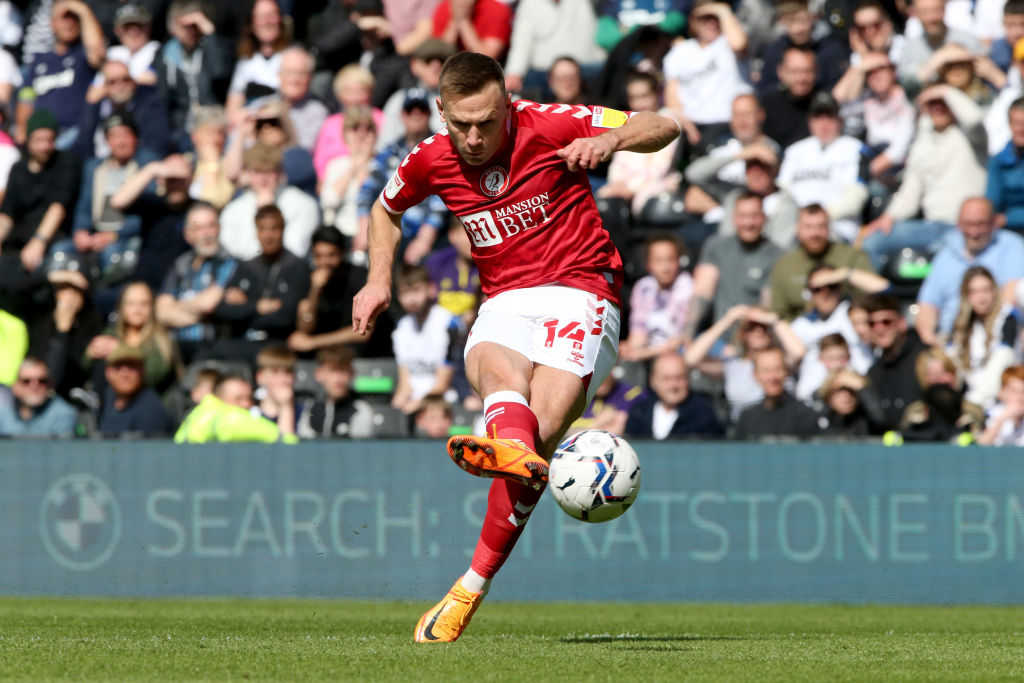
[(494, 181), (482, 230), (394, 186), (80, 522)]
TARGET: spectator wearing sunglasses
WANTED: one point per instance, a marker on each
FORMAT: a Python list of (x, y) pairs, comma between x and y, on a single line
[(32, 408), (897, 346), (829, 314)]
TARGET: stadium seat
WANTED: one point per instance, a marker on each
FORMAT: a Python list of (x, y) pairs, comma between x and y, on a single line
[(906, 269), (630, 372), (374, 376), (305, 383), (389, 423), (463, 420)]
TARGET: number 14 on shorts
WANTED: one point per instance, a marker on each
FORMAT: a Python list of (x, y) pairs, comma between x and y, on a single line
[(572, 331)]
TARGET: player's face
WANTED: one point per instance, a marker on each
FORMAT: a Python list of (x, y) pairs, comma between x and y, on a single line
[(478, 123), (663, 263)]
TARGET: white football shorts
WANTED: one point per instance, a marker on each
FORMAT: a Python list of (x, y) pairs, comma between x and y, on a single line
[(554, 325)]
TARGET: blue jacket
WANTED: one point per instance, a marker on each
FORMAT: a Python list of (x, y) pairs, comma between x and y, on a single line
[(1006, 185), (56, 417)]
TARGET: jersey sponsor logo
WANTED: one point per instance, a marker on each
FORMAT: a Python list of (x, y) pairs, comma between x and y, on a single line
[(494, 181), (603, 117), (394, 186), (481, 229), (487, 228)]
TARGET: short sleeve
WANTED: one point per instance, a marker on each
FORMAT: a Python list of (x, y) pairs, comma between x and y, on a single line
[(563, 123), (409, 184)]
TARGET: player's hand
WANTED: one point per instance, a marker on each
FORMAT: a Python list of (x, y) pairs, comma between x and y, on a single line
[(587, 152), (369, 302)]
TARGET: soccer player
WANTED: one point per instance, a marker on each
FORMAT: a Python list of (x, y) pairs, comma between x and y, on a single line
[(547, 335)]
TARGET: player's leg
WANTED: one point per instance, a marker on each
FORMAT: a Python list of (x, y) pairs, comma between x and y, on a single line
[(501, 374)]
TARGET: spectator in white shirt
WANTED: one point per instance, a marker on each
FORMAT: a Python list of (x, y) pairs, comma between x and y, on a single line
[(826, 168), (702, 76)]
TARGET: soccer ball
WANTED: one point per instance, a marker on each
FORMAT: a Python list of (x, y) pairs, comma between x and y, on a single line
[(594, 476)]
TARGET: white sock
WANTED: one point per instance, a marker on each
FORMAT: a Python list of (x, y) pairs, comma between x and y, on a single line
[(475, 583)]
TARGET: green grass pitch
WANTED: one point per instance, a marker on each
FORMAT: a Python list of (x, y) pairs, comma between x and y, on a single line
[(48, 639)]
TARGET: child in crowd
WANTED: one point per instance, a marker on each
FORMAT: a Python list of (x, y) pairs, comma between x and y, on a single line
[(338, 414), (421, 340), (275, 387)]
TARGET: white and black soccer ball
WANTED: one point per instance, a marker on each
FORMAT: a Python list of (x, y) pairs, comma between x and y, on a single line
[(595, 476)]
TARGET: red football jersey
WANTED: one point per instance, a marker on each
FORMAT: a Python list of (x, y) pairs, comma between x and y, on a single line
[(530, 219)]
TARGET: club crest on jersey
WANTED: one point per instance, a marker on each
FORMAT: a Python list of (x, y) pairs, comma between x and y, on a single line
[(494, 181)]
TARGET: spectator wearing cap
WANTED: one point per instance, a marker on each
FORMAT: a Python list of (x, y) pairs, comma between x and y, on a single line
[(914, 65), (1005, 187), (305, 111), (194, 66), (129, 406), (133, 26), (786, 108), (483, 26), (353, 87), (826, 168), (37, 207), (31, 408), (264, 175), (102, 234), (543, 31), (261, 300), (997, 117), (798, 29), (265, 35), (120, 94), (945, 166), (195, 284), (58, 80), (422, 223), (425, 64), (325, 313)]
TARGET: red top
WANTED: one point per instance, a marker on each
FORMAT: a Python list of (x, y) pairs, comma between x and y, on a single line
[(491, 19), (530, 219)]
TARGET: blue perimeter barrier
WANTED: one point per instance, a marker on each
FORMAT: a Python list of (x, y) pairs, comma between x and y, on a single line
[(395, 520)]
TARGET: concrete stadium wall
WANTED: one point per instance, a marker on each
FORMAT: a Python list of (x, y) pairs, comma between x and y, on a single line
[(395, 520)]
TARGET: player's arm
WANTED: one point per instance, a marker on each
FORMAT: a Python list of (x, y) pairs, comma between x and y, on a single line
[(643, 132), (385, 232)]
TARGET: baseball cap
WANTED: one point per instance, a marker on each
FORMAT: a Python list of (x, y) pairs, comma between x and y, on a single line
[(416, 97), (132, 14), (115, 120), (823, 104), (433, 48), (125, 353)]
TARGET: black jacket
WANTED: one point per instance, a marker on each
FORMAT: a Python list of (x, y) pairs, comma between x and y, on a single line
[(696, 418), (894, 380)]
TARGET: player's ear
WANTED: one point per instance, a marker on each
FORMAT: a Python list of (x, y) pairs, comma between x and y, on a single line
[(440, 108)]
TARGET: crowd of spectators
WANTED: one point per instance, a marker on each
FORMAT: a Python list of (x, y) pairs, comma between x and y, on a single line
[(832, 248)]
